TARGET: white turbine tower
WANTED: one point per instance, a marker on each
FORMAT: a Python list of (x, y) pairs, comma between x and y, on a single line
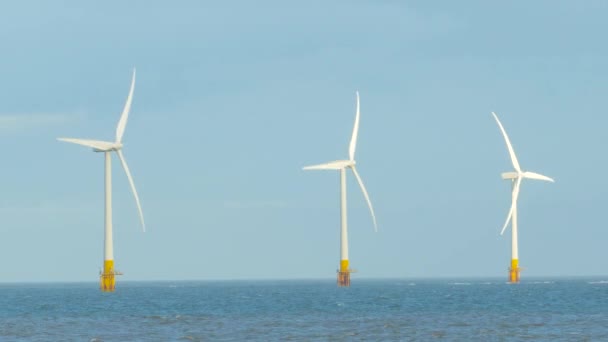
[(107, 279), (516, 178), (342, 165)]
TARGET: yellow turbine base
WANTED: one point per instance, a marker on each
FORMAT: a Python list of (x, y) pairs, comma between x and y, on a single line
[(514, 271), (344, 274), (107, 280), (343, 265)]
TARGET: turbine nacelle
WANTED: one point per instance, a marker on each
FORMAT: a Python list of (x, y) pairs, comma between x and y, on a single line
[(509, 175), (115, 147)]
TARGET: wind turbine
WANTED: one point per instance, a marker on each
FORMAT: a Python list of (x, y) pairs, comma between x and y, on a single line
[(107, 279), (516, 178), (342, 165)]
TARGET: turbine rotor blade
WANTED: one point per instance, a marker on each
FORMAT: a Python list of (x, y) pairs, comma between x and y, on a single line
[(334, 165), (353, 139), (514, 196), (122, 123), (538, 176), (94, 144), (508, 220), (124, 166), (369, 203), (509, 146)]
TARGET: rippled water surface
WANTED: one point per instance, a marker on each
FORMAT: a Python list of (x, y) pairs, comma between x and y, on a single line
[(422, 310)]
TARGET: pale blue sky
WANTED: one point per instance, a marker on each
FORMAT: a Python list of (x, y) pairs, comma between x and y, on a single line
[(233, 98)]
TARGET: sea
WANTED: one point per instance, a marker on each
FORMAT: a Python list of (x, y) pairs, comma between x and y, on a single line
[(560, 309)]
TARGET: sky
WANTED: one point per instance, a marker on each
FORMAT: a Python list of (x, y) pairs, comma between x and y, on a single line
[(233, 98)]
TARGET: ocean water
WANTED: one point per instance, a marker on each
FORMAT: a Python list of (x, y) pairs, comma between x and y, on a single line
[(389, 310)]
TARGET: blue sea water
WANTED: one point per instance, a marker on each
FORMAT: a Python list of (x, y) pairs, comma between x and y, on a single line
[(391, 310)]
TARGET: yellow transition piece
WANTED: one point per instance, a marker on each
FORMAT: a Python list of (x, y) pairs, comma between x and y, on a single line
[(107, 280)]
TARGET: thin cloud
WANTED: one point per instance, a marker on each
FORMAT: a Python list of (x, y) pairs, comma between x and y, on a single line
[(261, 204), (46, 207), (13, 121)]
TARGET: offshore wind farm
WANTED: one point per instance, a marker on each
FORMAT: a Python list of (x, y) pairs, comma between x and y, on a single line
[(222, 145), (232, 100)]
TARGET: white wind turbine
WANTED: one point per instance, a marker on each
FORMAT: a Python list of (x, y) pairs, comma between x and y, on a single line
[(516, 178), (342, 165), (107, 281)]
